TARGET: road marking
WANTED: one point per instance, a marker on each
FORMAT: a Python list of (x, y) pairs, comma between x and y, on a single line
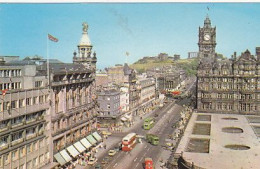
[(115, 165), (136, 165), (135, 159)]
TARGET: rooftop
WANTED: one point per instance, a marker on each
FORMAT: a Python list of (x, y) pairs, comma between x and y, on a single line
[(224, 141)]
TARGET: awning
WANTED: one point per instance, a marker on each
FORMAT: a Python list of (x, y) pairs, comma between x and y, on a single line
[(85, 142), (128, 117), (123, 119), (65, 155), (97, 136), (73, 151), (79, 147), (60, 159), (91, 139)]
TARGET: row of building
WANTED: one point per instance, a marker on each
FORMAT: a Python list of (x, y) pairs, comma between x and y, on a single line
[(122, 94), (45, 107), (226, 85)]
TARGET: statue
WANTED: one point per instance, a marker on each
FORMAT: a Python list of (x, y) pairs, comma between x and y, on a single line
[(85, 27)]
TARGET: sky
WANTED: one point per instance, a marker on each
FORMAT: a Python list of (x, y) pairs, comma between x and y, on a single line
[(141, 29)]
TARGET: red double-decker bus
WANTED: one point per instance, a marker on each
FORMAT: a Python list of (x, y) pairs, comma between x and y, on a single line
[(128, 142)]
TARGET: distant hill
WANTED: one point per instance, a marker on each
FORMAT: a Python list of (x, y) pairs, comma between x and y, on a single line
[(189, 65)]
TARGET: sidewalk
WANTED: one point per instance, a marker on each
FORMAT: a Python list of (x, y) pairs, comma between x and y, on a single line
[(113, 141)]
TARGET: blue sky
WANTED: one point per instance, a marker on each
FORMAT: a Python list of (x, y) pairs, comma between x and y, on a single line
[(141, 29)]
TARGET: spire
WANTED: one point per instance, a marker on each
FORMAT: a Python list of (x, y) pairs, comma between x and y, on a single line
[(207, 22), (85, 39)]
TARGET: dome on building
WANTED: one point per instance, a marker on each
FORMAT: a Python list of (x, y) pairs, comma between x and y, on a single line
[(85, 39)]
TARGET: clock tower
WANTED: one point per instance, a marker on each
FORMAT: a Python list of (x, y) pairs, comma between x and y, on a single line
[(207, 40)]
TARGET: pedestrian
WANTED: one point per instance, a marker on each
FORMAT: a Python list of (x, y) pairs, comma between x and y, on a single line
[(105, 146)]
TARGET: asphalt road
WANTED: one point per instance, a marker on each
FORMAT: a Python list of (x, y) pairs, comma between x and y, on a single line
[(168, 116)]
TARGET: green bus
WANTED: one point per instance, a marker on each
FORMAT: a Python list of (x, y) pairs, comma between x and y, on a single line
[(152, 139), (148, 123)]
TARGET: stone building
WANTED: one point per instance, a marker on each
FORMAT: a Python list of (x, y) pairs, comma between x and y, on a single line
[(226, 85), (24, 109), (109, 106), (44, 109), (147, 92)]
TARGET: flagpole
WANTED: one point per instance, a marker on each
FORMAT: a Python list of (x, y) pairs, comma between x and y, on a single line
[(48, 63)]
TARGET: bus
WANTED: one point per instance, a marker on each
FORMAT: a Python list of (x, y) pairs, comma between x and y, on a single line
[(148, 123), (129, 142)]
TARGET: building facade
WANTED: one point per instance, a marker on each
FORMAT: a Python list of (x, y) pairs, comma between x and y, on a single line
[(46, 108), (147, 92), (226, 85), (24, 107)]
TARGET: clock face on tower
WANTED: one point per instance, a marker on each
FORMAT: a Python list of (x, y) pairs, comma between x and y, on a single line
[(207, 37)]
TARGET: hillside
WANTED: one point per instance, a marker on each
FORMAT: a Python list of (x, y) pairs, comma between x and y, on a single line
[(189, 65)]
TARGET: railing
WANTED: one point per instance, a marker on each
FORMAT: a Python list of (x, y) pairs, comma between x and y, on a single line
[(89, 79), (4, 146), (30, 121), (17, 141), (30, 136)]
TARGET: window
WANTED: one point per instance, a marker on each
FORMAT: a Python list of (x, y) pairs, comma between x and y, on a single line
[(6, 106), (17, 136), (28, 148), (15, 155), (38, 84), (1, 157), (29, 165), (34, 100), (41, 99), (28, 101), (22, 152), (35, 146), (35, 162), (21, 103), (14, 104), (46, 97), (41, 158), (6, 159)]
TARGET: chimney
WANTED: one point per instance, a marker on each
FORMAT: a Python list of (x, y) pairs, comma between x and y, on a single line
[(235, 55), (2, 61)]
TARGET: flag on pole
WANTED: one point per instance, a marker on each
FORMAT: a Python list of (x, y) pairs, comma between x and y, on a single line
[(4, 92), (208, 8), (52, 38)]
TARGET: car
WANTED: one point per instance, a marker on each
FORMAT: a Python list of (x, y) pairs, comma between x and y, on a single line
[(92, 161), (105, 160), (112, 152), (98, 166), (106, 133), (117, 148)]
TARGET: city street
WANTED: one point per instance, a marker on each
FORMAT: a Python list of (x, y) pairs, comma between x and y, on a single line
[(168, 116)]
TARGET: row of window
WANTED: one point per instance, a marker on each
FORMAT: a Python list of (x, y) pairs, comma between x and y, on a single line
[(23, 102), (10, 73), (247, 80), (223, 106), (6, 159), (14, 85), (230, 96), (20, 119)]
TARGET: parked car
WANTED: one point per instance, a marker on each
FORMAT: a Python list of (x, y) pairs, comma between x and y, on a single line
[(98, 166), (112, 152), (106, 133), (105, 160), (92, 161)]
